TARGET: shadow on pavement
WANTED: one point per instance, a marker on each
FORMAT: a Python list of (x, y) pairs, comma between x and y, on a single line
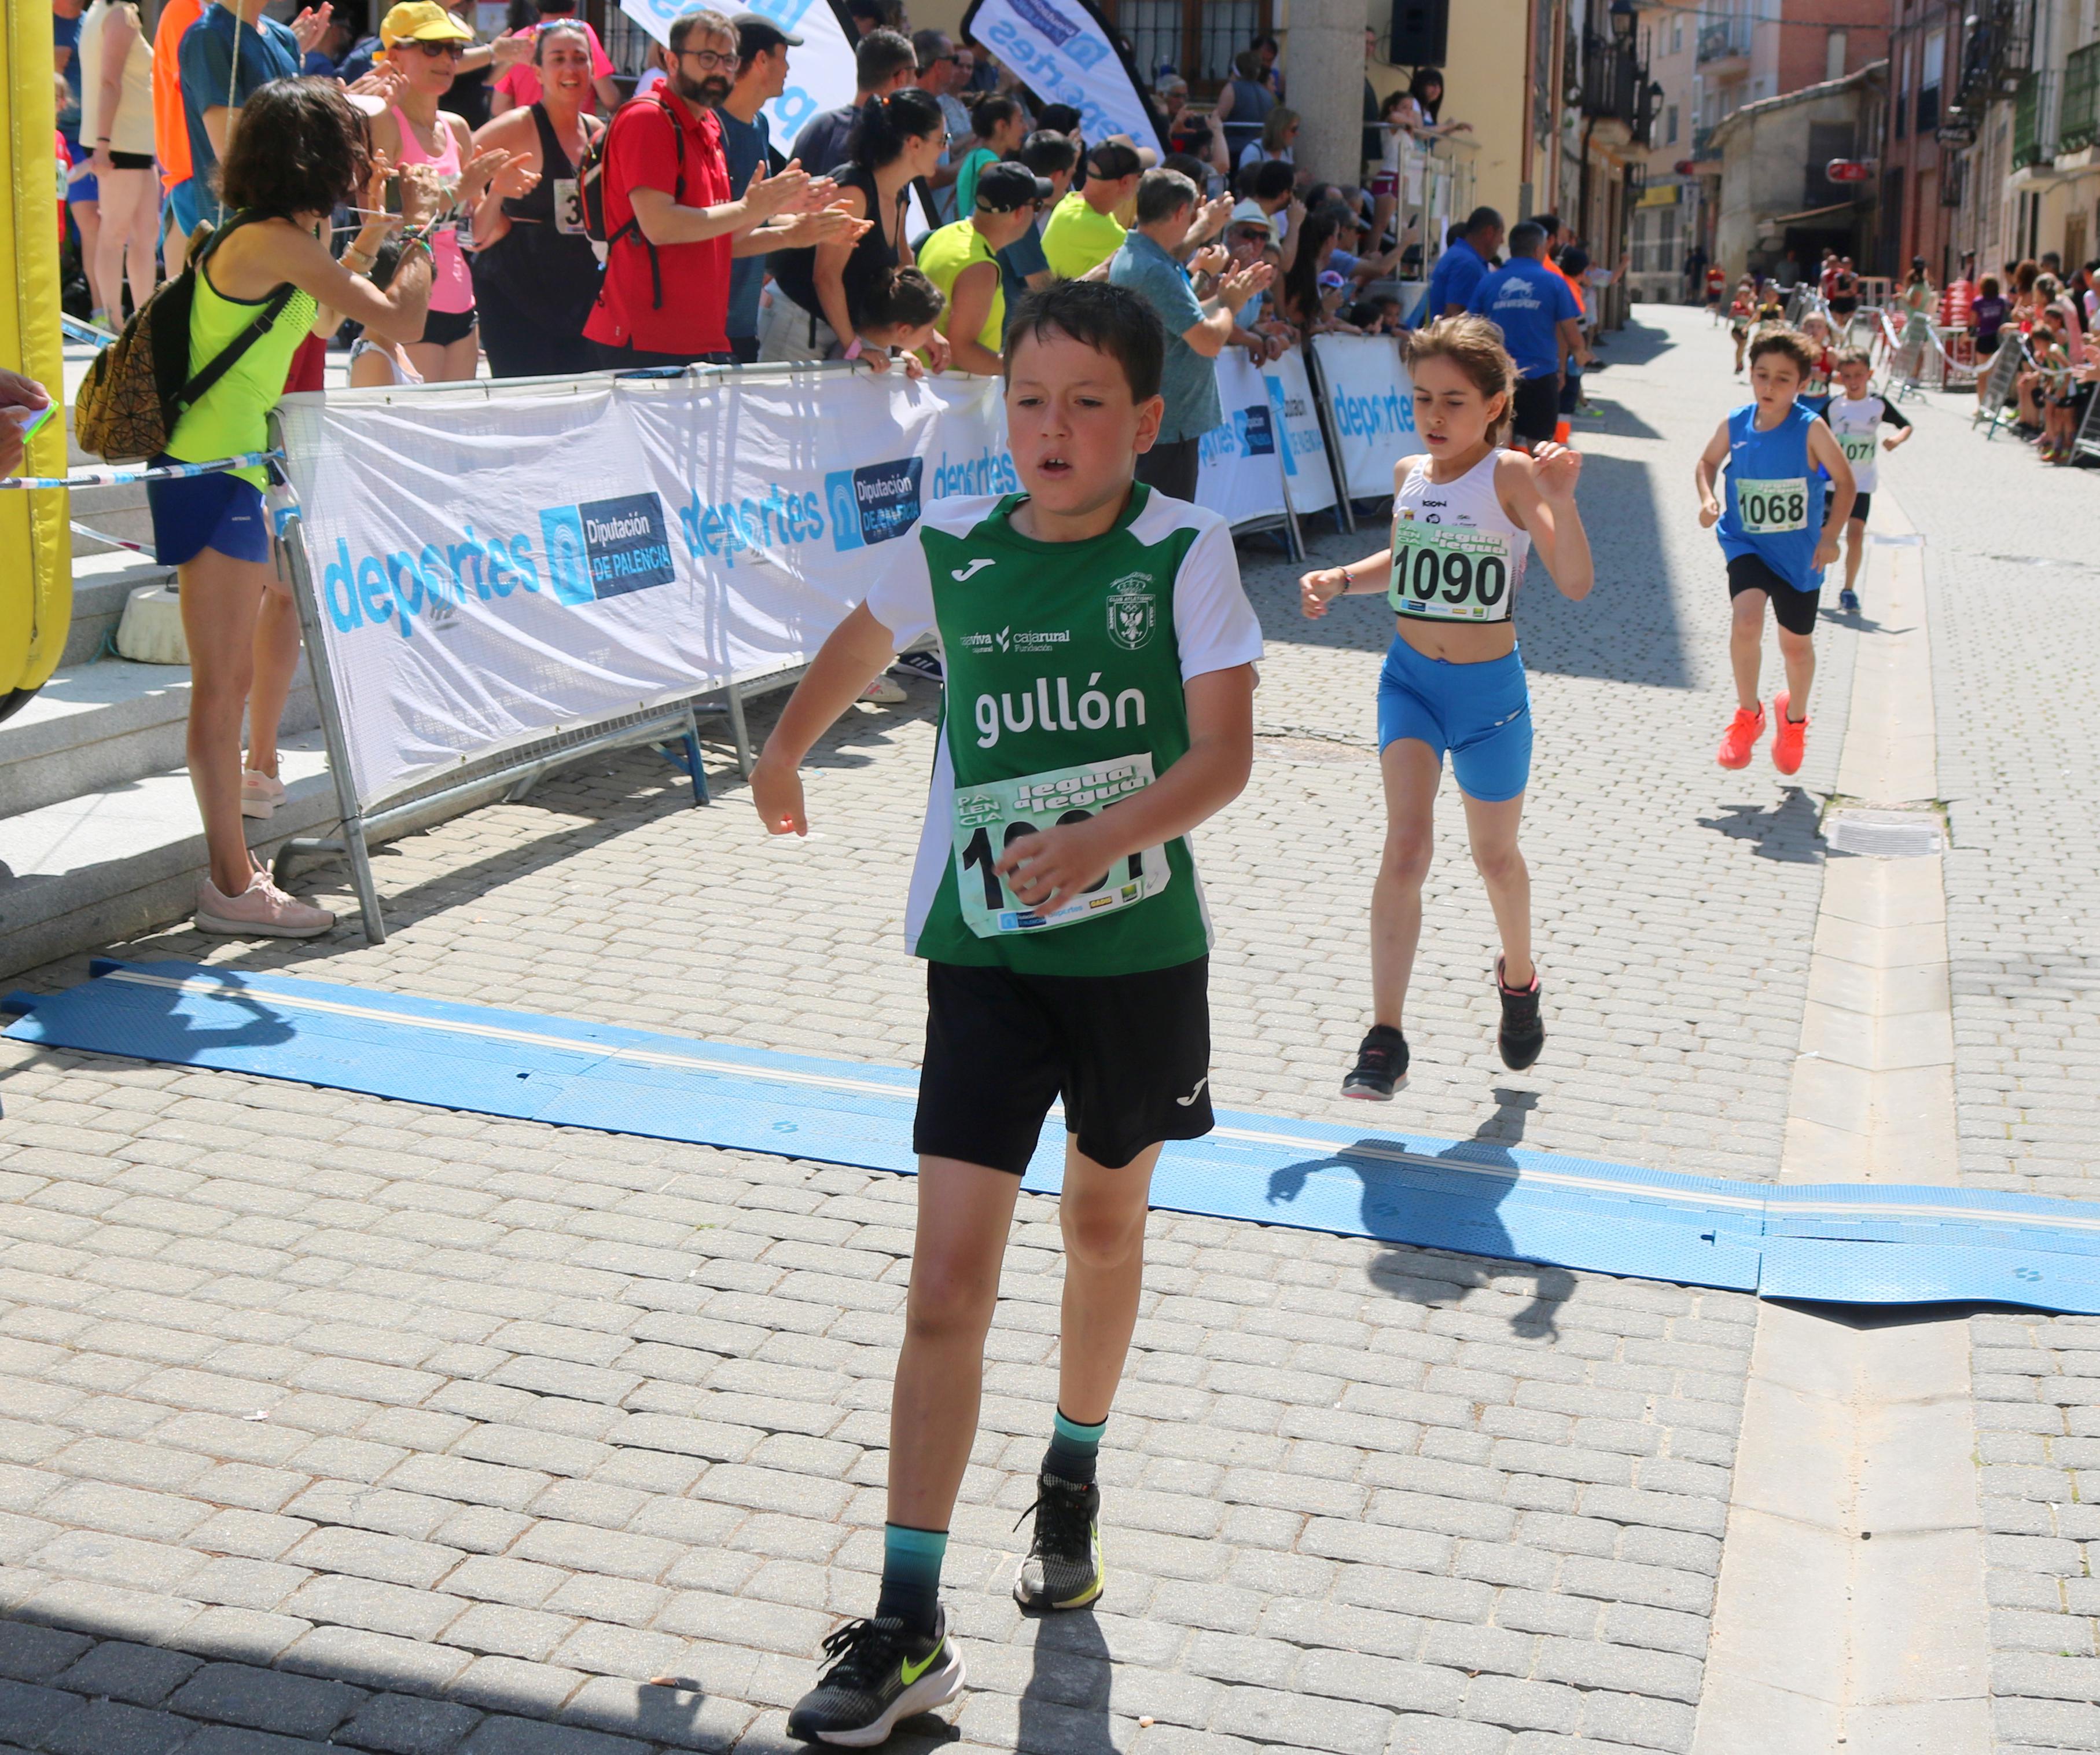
[(1627, 631), (1065, 1709), (1788, 833), (1637, 344)]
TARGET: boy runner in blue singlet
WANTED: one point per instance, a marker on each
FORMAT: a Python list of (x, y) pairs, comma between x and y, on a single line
[(1779, 530), (1099, 656), (1855, 417)]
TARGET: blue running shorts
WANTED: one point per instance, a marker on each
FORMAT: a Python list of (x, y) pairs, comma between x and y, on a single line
[(1481, 712), (193, 513)]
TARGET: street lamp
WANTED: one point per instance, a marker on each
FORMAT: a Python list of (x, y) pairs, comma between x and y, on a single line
[(1621, 15)]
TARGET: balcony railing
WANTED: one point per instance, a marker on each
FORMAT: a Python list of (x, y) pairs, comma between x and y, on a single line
[(1614, 82), (2078, 124), (2030, 110), (1702, 143), (1725, 41)]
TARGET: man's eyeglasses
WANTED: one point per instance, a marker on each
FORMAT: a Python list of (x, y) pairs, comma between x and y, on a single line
[(435, 50), (708, 57)]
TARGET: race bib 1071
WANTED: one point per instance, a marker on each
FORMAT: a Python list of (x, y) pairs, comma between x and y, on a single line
[(1772, 508), (991, 817), (1446, 573), (1858, 447)]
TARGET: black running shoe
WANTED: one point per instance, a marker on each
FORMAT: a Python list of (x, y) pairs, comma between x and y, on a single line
[(882, 1675), (1381, 1067), (1063, 1570), (1523, 1035), (926, 664)]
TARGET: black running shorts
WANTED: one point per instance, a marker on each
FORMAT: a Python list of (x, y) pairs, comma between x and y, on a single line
[(1129, 1054), (1793, 610), (1537, 408), (1862, 504)]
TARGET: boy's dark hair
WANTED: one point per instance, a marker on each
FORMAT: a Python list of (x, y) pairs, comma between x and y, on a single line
[(1162, 193), (880, 56), (987, 113), (903, 298), (1189, 165), (1046, 154), (1110, 320), (1269, 178), (300, 149), (1851, 356), (1112, 159), (1058, 118), (1790, 342)]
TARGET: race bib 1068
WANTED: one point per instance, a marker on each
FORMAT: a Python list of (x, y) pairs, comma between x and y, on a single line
[(1771, 508), (1446, 573), (989, 817)]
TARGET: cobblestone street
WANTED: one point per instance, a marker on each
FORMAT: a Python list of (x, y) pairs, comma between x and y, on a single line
[(331, 1421)]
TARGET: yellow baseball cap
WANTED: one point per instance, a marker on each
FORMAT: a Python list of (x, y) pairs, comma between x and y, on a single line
[(421, 21)]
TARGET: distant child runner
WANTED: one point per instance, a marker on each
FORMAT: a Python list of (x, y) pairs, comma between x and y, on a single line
[(1057, 904), (1855, 417), (1776, 538), (1463, 518), (1816, 331), (1740, 309)]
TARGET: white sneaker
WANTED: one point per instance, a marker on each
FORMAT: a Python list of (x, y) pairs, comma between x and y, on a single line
[(260, 794), (884, 692), (261, 911)]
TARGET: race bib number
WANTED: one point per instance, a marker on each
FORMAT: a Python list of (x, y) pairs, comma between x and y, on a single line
[(1858, 447), (1446, 573), (1771, 508), (992, 817), (568, 207)]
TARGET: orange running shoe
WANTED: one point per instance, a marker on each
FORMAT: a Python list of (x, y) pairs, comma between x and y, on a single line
[(1789, 737), (1741, 737)]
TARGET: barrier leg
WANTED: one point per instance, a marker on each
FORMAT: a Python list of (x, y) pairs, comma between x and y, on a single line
[(692, 742), (739, 729), (332, 731)]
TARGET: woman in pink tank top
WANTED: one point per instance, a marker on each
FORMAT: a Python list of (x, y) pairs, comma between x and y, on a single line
[(415, 131)]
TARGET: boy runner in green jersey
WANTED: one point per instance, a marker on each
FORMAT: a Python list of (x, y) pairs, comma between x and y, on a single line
[(1099, 704)]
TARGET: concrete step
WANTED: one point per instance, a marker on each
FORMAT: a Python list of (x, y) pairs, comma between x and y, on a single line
[(98, 726), (101, 582), (110, 865)]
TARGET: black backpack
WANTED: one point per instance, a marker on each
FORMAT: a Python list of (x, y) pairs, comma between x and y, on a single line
[(590, 194)]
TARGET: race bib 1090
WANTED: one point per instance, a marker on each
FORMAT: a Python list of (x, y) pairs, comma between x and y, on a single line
[(1446, 573), (991, 817), (1772, 508)]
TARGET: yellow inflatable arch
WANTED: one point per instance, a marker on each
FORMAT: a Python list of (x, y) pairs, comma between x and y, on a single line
[(36, 552)]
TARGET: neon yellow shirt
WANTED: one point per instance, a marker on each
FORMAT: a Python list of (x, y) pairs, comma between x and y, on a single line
[(1077, 239), (944, 256), (233, 416)]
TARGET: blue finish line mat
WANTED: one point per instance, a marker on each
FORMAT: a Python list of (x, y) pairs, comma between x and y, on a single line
[(1840, 1243)]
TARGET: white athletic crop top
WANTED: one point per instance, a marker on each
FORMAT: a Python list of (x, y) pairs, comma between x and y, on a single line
[(1457, 555)]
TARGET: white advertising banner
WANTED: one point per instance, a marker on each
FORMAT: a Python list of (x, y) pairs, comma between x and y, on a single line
[(1239, 476), (1306, 477), (494, 567), (1065, 53), (1370, 403), (820, 73)]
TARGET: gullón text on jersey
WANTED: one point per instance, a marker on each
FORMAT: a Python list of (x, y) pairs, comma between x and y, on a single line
[(1035, 710)]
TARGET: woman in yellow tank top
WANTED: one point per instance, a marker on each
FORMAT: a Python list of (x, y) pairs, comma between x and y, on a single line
[(962, 260), (297, 152)]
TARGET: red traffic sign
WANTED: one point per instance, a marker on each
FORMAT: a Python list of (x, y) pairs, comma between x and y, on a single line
[(1848, 170)]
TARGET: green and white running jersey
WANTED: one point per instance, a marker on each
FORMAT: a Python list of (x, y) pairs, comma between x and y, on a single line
[(1065, 664)]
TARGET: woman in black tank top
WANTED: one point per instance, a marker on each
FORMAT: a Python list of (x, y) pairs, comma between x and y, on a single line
[(535, 275), (896, 140)]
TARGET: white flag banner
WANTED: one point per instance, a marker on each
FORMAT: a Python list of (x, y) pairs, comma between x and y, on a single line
[(1065, 53), (1306, 477), (1370, 407), (1239, 474), (820, 73), (470, 603)]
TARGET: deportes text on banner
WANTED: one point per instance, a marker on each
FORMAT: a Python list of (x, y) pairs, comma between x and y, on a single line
[(1065, 52), (820, 72), (494, 568), (1370, 405), (1239, 474), (1306, 477)]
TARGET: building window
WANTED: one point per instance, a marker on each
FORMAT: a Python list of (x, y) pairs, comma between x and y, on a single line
[(1899, 93), (1676, 35), (1670, 125), (1929, 78), (1197, 38), (1836, 46)]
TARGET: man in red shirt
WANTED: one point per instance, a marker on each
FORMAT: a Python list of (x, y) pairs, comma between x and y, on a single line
[(673, 222)]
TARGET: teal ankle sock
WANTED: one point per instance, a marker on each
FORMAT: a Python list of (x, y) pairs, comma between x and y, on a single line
[(911, 1576), (1074, 1450)]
